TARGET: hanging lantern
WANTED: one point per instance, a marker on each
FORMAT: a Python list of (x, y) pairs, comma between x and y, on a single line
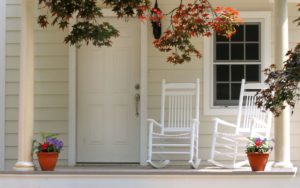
[(156, 16)]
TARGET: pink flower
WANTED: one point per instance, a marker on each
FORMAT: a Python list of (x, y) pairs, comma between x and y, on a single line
[(258, 143)]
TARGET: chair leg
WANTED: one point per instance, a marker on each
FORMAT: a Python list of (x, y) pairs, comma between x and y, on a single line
[(194, 160), (160, 164), (150, 143), (213, 148), (195, 163)]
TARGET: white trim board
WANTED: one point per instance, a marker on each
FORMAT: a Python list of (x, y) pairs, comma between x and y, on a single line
[(143, 94), (72, 106), (2, 83), (289, 1)]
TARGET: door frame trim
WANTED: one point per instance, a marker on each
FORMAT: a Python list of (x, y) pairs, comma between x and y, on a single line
[(143, 93), (2, 81)]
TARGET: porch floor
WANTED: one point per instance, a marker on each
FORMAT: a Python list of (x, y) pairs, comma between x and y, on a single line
[(135, 169)]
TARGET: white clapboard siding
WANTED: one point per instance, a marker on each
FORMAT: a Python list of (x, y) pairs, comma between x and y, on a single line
[(41, 62), (54, 126), (41, 88), (13, 24), (51, 83), (50, 114), (40, 101)]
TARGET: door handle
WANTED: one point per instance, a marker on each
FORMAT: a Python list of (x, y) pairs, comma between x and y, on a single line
[(137, 101)]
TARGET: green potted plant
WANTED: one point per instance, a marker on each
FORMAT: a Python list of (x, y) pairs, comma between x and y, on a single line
[(258, 151), (47, 151)]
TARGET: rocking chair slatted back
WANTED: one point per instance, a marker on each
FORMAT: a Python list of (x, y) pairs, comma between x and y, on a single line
[(178, 130), (250, 116), (179, 105)]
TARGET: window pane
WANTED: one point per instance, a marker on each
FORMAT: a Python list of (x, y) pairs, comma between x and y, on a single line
[(252, 72), (252, 33), (252, 51), (222, 91), (220, 38), (237, 51), (235, 91), (222, 72), (239, 35), (222, 51), (237, 72)]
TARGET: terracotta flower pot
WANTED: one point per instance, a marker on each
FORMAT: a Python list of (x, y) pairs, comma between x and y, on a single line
[(47, 160), (258, 161)]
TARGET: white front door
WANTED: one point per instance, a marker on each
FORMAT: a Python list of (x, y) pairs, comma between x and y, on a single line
[(107, 79)]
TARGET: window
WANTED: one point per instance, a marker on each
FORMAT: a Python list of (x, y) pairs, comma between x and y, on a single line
[(234, 59), (228, 61)]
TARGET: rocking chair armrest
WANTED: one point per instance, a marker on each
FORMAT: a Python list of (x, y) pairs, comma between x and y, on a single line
[(152, 121), (223, 122)]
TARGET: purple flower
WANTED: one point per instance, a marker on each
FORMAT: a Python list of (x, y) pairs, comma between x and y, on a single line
[(57, 144)]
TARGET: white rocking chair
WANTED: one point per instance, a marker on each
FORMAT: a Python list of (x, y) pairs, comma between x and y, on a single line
[(229, 140), (177, 132)]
